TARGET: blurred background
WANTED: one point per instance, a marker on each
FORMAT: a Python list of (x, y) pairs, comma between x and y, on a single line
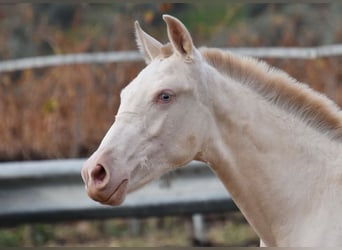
[(64, 111)]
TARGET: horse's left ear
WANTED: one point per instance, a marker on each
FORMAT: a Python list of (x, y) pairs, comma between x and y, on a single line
[(179, 36)]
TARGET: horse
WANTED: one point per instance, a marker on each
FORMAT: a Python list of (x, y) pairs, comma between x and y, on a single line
[(274, 142)]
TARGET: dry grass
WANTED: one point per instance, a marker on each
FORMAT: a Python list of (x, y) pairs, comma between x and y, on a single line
[(61, 113), (222, 230)]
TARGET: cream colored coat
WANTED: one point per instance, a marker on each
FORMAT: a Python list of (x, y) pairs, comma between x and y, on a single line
[(273, 142)]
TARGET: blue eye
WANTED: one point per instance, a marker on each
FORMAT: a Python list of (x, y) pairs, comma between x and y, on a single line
[(165, 97)]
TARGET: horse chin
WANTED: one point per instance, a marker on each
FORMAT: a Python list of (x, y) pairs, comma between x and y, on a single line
[(118, 196)]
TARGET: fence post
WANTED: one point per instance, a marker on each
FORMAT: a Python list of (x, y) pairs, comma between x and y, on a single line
[(199, 230)]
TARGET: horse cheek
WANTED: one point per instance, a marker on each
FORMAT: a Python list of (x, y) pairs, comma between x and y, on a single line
[(154, 127)]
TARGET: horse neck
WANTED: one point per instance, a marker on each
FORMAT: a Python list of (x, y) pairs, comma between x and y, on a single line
[(273, 165)]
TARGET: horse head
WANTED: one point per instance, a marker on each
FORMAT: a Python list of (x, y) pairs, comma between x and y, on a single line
[(161, 122)]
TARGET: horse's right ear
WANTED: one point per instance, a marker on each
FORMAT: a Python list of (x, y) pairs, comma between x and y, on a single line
[(148, 46)]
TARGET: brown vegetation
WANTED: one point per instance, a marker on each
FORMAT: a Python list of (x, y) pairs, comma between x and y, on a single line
[(62, 112)]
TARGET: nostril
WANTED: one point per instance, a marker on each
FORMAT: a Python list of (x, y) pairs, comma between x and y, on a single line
[(98, 174)]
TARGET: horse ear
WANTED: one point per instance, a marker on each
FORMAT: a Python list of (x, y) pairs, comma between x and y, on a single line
[(179, 36), (148, 46)]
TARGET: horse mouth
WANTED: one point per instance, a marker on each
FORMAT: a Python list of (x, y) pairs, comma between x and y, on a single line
[(118, 195)]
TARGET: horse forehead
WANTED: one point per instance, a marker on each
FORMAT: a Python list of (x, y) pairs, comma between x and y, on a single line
[(171, 72), (161, 68), (151, 76)]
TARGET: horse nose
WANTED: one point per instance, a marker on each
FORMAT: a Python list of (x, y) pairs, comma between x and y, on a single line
[(98, 175), (95, 174), (102, 184)]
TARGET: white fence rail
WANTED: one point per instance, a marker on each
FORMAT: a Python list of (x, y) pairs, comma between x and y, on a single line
[(129, 56)]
